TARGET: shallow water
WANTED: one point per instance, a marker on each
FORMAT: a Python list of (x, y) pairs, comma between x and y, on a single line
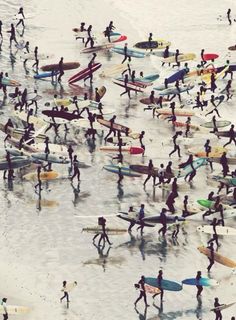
[(43, 245)]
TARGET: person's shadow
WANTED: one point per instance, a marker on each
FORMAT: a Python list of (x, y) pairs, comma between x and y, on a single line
[(102, 256), (141, 316)]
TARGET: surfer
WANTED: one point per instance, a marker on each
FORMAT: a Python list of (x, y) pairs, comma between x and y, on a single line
[(141, 136), (70, 151), (90, 38), (150, 41), (199, 287), (22, 17), (111, 26), (46, 150), (10, 170), (211, 257), (224, 163), (151, 173), (217, 309), (228, 71), (125, 53), (228, 90), (9, 124), (229, 16), (176, 146), (231, 134), (64, 289), (214, 223), (60, 69), (141, 215), (142, 293), (1, 29), (163, 221), (81, 29), (112, 130), (104, 235), (90, 65), (159, 285), (36, 64), (213, 83), (107, 33), (199, 104), (191, 173), (161, 174), (39, 184), (176, 59), (4, 305), (76, 171), (132, 222), (170, 202), (126, 82), (188, 126), (168, 172), (166, 54), (203, 62), (185, 211), (12, 35)]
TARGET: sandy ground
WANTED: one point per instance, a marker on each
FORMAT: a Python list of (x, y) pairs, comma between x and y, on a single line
[(41, 245)]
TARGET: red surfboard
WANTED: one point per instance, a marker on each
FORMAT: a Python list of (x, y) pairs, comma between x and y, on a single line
[(210, 56), (84, 73), (122, 38), (129, 85)]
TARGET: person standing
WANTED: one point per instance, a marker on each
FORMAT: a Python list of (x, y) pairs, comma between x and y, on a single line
[(12, 35), (229, 16), (163, 221), (232, 135), (217, 309), (4, 305), (61, 70), (64, 289), (199, 287), (21, 18), (159, 285), (142, 293), (76, 171), (211, 258)]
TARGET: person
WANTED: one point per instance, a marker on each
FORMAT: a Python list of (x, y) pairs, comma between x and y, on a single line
[(127, 89), (9, 124), (141, 136), (111, 26), (161, 174), (97, 95), (176, 59), (214, 123), (132, 222), (176, 146), (228, 71), (212, 101), (90, 38), (64, 289), (199, 287), (125, 53), (232, 135), (81, 29), (61, 70), (170, 202), (211, 257), (168, 172), (141, 215), (214, 223), (107, 33), (150, 173), (39, 184), (128, 67), (224, 163), (207, 147), (112, 130), (176, 230), (210, 198), (142, 293), (76, 171), (217, 310), (12, 35), (36, 64), (166, 54), (185, 211), (188, 126), (159, 285), (103, 235), (199, 104), (229, 16), (163, 221), (213, 86), (1, 29), (4, 305), (90, 65), (150, 41), (203, 62), (70, 151), (228, 90), (189, 162), (21, 19)]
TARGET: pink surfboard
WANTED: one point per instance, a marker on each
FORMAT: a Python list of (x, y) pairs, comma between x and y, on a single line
[(210, 56), (84, 73)]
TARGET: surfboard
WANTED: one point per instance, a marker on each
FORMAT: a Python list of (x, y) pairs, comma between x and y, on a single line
[(66, 66), (151, 289), (125, 171), (32, 119), (165, 284), (219, 124), (210, 56), (116, 126), (14, 310), (16, 163), (41, 56), (113, 70), (223, 306), (181, 58), (131, 86), (218, 257), (128, 149), (178, 112), (70, 286), (18, 132), (157, 219), (45, 176), (133, 217), (43, 75), (155, 44), (109, 231), (215, 152), (220, 230), (172, 91), (10, 82), (205, 282), (188, 169), (130, 52), (98, 48), (84, 73), (50, 158)]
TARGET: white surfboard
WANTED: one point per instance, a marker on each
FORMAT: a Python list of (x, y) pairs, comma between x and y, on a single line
[(221, 230), (14, 309)]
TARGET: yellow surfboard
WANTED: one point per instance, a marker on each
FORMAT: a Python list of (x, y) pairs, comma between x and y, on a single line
[(215, 152), (45, 176), (218, 257), (181, 58)]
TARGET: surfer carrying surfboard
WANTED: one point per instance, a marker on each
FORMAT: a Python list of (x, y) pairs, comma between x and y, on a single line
[(4, 304), (66, 295), (211, 258), (22, 17), (217, 309), (142, 292)]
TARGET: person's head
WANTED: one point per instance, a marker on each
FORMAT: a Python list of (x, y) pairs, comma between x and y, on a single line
[(126, 44), (216, 299), (94, 54), (82, 23), (152, 93), (164, 210), (186, 197), (202, 50), (131, 208), (150, 161), (142, 132), (160, 272), (141, 73), (211, 193), (177, 50), (180, 133), (232, 126), (64, 283), (199, 273), (4, 300), (162, 165), (150, 34), (143, 278), (12, 25), (170, 163), (75, 157), (142, 206)]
